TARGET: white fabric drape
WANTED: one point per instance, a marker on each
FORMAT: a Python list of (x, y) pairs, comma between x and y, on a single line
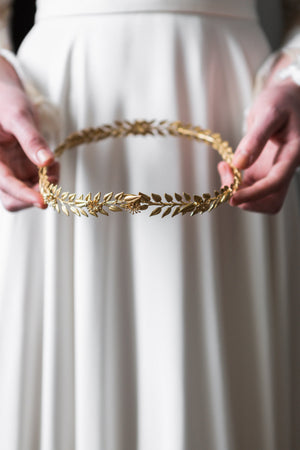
[(135, 333)]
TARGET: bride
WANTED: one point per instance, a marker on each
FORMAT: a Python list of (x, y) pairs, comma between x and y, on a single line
[(129, 332)]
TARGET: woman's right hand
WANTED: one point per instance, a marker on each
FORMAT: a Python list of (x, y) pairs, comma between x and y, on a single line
[(22, 148)]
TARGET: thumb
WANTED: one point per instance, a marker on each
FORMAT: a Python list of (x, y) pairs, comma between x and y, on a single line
[(225, 173), (31, 141), (265, 125)]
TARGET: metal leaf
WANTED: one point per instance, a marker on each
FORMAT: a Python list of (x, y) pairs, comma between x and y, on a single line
[(176, 211), (107, 197), (131, 198), (144, 197), (64, 210), (97, 197), (72, 197), (168, 197), (167, 211), (75, 211), (156, 211), (187, 208), (211, 206), (115, 208), (198, 198), (119, 195), (156, 197)]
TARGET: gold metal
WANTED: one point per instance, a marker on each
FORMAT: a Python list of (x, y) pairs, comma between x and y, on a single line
[(84, 205)]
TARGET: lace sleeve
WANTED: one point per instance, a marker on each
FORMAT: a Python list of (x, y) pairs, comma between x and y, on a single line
[(290, 46)]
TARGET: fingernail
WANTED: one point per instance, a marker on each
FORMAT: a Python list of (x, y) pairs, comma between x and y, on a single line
[(43, 156), (241, 160), (40, 205)]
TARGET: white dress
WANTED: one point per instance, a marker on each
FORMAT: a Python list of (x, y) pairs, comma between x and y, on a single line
[(137, 333)]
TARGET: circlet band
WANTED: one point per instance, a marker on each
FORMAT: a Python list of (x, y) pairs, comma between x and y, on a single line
[(85, 205)]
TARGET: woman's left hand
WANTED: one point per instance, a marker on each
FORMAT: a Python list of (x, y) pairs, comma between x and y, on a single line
[(269, 153)]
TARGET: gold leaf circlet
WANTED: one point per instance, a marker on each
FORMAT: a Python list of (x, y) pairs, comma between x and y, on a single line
[(95, 205)]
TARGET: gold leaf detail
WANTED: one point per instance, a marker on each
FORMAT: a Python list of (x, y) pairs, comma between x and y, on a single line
[(97, 197), (167, 211), (131, 198), (156, 211), (195, 211), (119, 195), (115, 208), (176, 211), (211, 206), (107, 197), (64, 195), (187, 208), (64, 210), (75, 210), (80, 203), (144, 197), (67, 202), (156, 197), (72, 197), (198, 198)]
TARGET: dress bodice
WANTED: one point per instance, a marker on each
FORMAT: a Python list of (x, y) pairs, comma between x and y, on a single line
[(232, 8)]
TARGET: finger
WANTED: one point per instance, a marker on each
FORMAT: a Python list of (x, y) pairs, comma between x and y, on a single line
[(271, 204), (12, 204), (225, 173), (278, 177), (262, 129), (17, 189), (29, 138)]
